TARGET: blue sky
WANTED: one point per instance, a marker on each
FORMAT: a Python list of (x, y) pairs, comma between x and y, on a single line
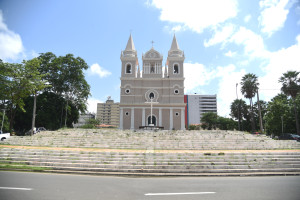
[(222, 39)]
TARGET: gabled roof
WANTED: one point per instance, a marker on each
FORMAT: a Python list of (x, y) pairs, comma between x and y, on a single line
[(152, 54)]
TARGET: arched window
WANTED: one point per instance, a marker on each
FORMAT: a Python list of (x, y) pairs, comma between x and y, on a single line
[(151, 95), (152, 69), (175, 69), (128, 69)]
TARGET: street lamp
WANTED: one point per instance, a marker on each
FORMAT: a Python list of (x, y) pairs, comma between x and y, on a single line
[(238, 107), (282, 125)]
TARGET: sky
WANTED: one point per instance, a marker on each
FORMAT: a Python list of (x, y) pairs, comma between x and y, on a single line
[(222, 40)]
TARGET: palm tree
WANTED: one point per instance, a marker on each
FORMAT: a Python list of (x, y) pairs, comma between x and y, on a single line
[(249, 88), (291, 87), (238, 110)]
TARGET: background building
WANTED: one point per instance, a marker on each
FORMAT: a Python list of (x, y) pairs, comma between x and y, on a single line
[(197, 105), (165, 86), (83, 119), (108, 112)]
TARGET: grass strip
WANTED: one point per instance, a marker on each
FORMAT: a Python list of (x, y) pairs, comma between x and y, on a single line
[(22, 166)]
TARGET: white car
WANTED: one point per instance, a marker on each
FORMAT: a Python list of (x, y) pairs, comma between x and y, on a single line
[(4, 136)]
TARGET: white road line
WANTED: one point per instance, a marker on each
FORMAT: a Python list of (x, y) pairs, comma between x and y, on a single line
[(184, 193), (14, 188)]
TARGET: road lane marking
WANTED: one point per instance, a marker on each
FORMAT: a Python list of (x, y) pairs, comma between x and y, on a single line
[(184, 193), (14, 188)]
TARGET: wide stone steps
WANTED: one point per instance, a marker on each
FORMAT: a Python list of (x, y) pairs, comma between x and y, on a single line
[(172, 140), (170, 153), (153, 163)]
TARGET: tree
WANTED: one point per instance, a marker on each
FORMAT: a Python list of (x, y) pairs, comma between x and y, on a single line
[(48, 112), (3, 84), (65, 74), (278, 118), (91, 123), (249, 88), (15, 88), (4, 122), (224, 123), (291, 87), (36, 83), (210, 120), (239, 110), (263, 108)]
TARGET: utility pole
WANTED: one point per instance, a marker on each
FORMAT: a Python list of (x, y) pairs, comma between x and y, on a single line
[(238, 107), (259, 111), (282, 125)]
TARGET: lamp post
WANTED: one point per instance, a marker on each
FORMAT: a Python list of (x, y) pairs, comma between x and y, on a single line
[(259, 112), (282, 125), (238, 107)]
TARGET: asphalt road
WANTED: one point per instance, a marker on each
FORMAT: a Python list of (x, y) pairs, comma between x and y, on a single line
[(31, 186)]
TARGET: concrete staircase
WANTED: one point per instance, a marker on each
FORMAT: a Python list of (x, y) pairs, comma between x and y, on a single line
[(172, 140), (163, 153)]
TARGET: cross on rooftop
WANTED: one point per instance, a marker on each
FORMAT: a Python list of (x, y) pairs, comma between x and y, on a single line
[(152, 42)]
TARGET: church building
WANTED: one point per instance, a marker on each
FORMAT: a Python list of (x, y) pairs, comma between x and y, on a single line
[(154, 90)]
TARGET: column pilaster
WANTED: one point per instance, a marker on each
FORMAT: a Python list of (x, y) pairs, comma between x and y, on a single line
[(171, 118), (121, 119), (132, 119)]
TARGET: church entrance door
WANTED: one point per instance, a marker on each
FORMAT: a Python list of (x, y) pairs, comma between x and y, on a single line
[(153, 120)]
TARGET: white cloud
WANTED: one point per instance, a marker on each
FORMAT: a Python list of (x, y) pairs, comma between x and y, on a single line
[(279, 62), (253, 43), (100, 71), (92, 105), (178, 28), (247, 18), (229, 77), (194, 14), (11, 46), (196, 75), (273, 15), (230, 54), (221, 36), (34, 54)]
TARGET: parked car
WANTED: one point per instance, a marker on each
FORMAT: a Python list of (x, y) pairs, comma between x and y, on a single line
[(41, 129), (4, 136), (295, 137), (36, 130), (289, 136)]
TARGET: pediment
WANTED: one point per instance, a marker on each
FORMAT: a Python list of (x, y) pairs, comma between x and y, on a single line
[(152, 54)]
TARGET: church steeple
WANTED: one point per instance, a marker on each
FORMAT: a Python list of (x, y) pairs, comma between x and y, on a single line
[(130, 44), (174, 50), (175, 60), (129, 60), (174, 46)]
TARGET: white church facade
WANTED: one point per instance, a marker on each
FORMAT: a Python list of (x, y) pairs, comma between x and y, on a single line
[(154, 90)]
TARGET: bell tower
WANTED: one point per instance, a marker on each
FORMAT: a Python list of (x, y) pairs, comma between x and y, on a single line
[(175, 60), (129, 60)]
